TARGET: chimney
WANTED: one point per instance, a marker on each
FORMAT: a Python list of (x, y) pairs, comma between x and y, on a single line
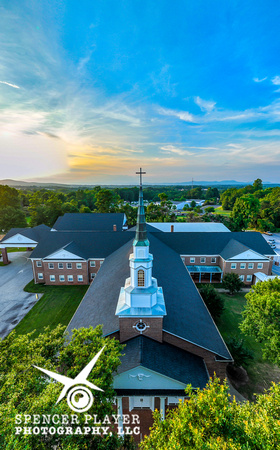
[(115, 227), (172, 228)]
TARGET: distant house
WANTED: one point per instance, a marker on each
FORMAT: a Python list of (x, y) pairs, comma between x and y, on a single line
[(180, 205)]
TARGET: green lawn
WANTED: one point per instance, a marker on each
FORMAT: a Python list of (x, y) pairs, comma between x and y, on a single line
[(222, 211), (57, 305), (16, 249), (260, 372)]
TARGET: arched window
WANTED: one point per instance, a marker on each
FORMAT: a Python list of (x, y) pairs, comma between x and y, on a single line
[(141, 278)]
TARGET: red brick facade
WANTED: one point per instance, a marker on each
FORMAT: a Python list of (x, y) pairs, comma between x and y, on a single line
[(128, 328)]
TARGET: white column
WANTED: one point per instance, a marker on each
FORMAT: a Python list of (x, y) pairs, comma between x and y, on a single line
[(120, 413), (162, 407)]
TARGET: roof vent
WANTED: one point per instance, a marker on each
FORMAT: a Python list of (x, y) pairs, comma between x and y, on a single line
[(115, 227)]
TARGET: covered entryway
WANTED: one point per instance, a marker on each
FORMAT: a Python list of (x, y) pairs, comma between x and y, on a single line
[(206, 274)]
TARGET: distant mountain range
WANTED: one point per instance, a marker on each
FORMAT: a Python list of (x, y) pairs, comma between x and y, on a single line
[(26, 184)]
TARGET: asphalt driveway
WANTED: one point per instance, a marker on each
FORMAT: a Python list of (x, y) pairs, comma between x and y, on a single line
[(14, 302)]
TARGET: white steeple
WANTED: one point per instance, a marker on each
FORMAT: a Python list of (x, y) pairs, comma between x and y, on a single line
[(141, 295)]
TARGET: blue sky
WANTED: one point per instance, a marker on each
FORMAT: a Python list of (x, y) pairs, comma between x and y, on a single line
[(92, 90)]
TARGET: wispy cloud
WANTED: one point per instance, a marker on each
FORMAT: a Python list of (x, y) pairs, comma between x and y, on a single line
[(182, 115), (259, 80), (276, 80), (176, 150), (10, 84), (205, 105)]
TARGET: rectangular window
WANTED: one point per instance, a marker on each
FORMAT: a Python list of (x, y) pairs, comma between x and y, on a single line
[(40, 276), (213, 260), (202, 260), (92, 275), (70, 278), (60, 265), (92, 263), (39, 263), (51, 266), (192, 260), (61, 278), (52, 277), (260, 265), (250, 265), (80, 278), (78, 265), (243, 266), (233, 266), (241, 277), (249, 278), (69, 265)]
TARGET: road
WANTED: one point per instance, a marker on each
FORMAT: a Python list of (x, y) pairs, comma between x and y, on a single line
[(14, 302)]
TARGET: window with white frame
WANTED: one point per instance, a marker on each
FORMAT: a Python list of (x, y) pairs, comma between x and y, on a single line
[(192, 260), (70, 278), (51, 266), (243, 266), (80, 278), (250, 265), (60, 265), (249, 278), (233, 266), (101, 262), (241, 277), (202, 260), (78, 265), (92, 275), (260, 265), (61, 278), (40, 276), (213, 260), (69, 265), (39, 263), (52, 277), (92, 263)]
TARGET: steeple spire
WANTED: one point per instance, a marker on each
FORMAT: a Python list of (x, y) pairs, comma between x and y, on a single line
[(141, 231)]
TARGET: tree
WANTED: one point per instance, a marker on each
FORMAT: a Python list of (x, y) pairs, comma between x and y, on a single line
[(11, 217), (262, 318), (24, 390), (209, 209), (106, 201), (213, 300), (245, 211), (9, 197), (257, 185), (232, 283), (209, 420)]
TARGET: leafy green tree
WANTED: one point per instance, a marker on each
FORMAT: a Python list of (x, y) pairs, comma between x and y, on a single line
[(262, 318), (258, 185), (208, 420), (9, 197), (228, 198), (241, 354), (210, 209), (232, 283), (193, 204), (213, 300), (245, 211), (11, 217), (23, 389), (106, 201)]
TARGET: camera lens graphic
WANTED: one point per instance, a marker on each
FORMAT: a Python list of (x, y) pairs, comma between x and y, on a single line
[(79, 399)]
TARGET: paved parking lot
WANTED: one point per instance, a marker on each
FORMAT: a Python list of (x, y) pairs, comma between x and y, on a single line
[(276, 237), (14, 302)]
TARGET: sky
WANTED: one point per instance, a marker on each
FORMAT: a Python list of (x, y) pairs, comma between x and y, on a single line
[(92, 90)]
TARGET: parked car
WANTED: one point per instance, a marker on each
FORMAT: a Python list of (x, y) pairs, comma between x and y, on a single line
[(271, 241)]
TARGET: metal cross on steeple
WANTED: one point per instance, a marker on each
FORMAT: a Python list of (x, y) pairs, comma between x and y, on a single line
[(140, 173)]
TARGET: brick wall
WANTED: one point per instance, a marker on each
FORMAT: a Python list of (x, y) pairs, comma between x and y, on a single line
[(266, 269), (127, 331), (208, 260)]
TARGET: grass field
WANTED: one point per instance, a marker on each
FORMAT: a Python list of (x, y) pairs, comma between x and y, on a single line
[(260, 372), (222, 211), (57, 305), (16, 249)]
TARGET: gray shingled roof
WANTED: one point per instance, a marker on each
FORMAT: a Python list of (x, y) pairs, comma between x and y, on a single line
[(165, 359), (86, 244), (213, 243), (89, 222), (187, 315), (233, 248), (36, 233)]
